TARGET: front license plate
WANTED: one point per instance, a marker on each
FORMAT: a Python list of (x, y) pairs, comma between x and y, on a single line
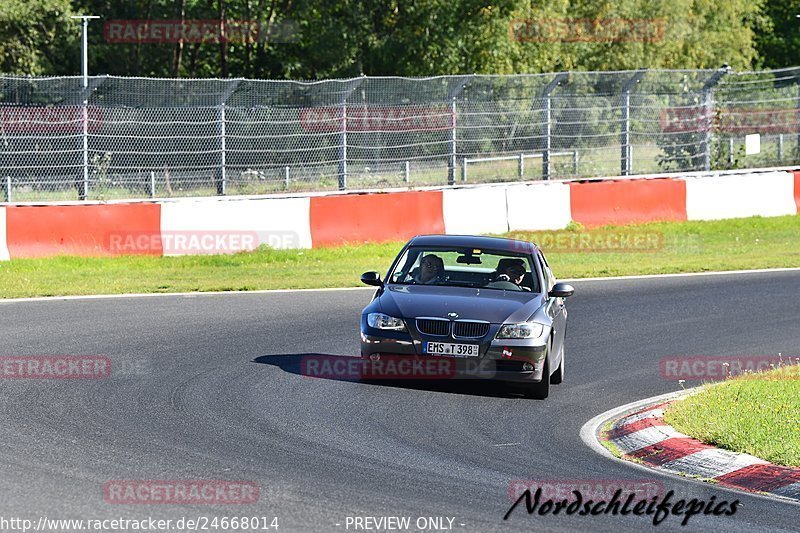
[(451, 350)]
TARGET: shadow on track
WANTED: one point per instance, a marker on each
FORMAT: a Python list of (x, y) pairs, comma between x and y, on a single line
[(298, 364)]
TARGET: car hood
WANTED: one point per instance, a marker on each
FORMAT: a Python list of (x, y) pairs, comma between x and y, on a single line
[(491, 305)]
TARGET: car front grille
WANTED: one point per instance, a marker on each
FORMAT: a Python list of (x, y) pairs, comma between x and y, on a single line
[(462, 329), (470, 330), (428, 326)]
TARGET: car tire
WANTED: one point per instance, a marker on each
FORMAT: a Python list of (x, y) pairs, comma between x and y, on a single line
[(558, 376), (540, 390)]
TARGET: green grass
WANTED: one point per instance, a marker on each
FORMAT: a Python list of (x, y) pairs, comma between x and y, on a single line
[(687, 247), (736, 244), (756, 413)]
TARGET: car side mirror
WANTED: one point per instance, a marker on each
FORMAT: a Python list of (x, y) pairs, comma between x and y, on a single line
[(562, 290), (371, 278)]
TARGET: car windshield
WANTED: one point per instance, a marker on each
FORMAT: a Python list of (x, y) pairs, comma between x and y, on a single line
[(466, 267)]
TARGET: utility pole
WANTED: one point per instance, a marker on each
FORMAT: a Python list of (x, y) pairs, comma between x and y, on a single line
[(83, 193)]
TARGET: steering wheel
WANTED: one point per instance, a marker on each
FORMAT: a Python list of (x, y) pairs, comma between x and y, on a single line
[(505, 285)]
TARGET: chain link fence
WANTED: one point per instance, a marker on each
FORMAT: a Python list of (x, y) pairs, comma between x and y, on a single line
[(152, 138)]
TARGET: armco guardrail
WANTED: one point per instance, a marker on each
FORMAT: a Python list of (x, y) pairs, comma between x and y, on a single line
[(226, 225), (160, 138)]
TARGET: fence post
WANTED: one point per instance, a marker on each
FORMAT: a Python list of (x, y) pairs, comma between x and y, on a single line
[(797, 121), (223, 171), (708, 108), (407, 172), (730, 151), (84, 192), (451, 166), (626, 157), (453, 148), (152, 184), (221, 174), (548, 123), (89, 86), (286, 177), (342, 170), (7, 189), (780, 147), (521, 166), (343, 149)]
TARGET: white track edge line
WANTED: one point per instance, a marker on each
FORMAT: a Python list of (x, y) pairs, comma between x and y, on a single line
[(174, 294), (588, 434), (687, 274), (332, 289)]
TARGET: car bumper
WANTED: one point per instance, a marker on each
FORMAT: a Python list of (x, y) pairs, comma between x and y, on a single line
[(519, 361)]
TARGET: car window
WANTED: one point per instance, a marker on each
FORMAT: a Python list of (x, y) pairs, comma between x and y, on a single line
[(549, 279), (469, 267)]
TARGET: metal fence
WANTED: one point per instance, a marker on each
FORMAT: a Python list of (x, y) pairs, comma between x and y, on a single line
[(139, 137)]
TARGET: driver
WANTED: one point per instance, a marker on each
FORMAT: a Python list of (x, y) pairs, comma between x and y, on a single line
[(431, 270), (512, 270)]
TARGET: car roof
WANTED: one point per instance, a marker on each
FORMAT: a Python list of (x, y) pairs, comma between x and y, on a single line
[(474, 241)]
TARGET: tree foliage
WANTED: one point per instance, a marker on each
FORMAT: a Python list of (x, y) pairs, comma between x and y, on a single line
[(341, 38), (34, 35), (778, 35)]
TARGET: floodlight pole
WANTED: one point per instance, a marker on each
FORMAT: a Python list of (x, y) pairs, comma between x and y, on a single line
[(452, 96), (83, 194), (548, 123), (342, 170)]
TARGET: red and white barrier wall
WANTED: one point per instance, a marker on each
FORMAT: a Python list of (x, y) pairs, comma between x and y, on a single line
[(3, 246), (716, 197), (229, 224), (353, 218), (277, 222), (46, 230)]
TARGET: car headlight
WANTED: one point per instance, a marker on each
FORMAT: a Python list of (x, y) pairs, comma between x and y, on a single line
[(381, 321), (519, 331)]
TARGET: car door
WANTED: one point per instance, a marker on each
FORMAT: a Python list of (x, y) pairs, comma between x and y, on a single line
[(559, 312)]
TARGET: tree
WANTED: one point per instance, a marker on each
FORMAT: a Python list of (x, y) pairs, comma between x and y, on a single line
[(34, 34), (778, 40), (309, 39)]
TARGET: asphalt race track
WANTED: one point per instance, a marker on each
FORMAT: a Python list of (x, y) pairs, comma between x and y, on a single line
[(209, 387)]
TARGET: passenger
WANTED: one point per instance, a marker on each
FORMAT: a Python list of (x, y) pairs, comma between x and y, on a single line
[(431, 270), (512, 270)]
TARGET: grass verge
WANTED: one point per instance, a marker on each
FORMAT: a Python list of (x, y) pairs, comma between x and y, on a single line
[(755, 413), (682, 247)]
